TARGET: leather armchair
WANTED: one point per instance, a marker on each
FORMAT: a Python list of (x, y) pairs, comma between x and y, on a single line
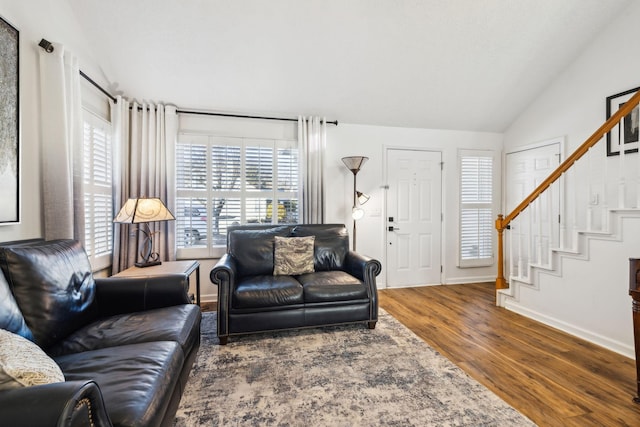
[(125, 345)]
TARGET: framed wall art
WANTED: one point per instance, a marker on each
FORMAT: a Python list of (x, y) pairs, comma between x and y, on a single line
[(626, 133), (9, 125)]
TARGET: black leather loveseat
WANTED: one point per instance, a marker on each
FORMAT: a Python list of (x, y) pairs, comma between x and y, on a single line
[(334, 286), (124, 345)]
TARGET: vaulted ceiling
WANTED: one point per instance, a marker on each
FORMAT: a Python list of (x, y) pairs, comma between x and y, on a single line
[(441, 64)]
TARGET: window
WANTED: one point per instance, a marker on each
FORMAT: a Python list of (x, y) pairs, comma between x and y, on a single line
[(476, 208), (225, 181), (97, 187)]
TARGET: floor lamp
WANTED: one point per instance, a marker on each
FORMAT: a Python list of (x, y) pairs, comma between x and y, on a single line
[(354, 163)]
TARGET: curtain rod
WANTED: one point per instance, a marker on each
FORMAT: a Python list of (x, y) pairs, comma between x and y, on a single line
[(90, 80), (48, 47), (245, 116)]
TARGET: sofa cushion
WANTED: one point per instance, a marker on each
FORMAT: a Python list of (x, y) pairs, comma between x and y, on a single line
[(134, 379), (293, 255), (266, 291), (331, 244), (252, 249), (23, 364), (327, 286), (53, 286), (11, 318), (175, 323)]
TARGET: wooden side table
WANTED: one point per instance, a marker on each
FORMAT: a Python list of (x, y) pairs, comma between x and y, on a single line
[(167, 267)]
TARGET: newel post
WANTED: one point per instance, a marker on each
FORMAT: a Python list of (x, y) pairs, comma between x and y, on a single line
[(501, 283)]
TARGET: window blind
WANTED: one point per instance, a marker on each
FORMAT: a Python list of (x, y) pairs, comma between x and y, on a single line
[(226, 181), (97, 185), (476, 209)]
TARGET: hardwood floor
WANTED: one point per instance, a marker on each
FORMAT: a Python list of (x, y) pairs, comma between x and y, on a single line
[(551, 377)]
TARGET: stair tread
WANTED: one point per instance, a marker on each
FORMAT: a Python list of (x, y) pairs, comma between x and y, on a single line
[(566, 250)]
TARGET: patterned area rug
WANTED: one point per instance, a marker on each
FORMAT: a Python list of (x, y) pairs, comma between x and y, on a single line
[(334, 376)]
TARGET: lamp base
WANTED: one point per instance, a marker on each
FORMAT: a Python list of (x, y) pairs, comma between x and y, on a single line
[(147, 264)]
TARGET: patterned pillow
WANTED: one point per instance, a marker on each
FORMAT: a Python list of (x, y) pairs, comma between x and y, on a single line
[(23, 363), (293, 255)]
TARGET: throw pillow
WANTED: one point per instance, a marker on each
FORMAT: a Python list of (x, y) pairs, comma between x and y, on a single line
[(293, 256), (23, 363)]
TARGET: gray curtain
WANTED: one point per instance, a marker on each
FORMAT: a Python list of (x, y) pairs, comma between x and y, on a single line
[(145, 135), (312, 140), (62, 144)]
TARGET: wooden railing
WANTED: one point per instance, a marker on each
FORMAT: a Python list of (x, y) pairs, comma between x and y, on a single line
[(503, 221)]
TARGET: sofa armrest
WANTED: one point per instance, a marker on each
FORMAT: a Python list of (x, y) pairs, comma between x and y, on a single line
[(117, 295), (362, 267), (365, 269), (71, 403), (223, 275)]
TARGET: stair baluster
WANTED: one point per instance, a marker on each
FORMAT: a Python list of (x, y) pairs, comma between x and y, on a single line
[(502, 222)]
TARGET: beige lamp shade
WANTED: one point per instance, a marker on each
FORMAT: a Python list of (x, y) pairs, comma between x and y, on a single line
[(354, 163), (136, 211), (362, 198)]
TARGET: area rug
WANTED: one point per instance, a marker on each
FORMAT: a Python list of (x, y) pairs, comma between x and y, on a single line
[(334, 376)]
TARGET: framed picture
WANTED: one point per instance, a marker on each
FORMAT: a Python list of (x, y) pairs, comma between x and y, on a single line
[(626, 133), (9, 125)]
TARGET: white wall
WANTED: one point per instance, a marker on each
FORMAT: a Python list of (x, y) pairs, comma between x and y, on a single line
[(574, 106), (54, 21), (371, 141)]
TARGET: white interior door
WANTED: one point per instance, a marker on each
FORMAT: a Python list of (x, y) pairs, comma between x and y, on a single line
[(536, 229), (414, 217)]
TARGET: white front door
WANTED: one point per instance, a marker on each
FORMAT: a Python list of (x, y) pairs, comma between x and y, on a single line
[(414, 217)]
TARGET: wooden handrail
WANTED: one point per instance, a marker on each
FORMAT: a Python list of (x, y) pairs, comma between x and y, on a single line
[(502, 222)]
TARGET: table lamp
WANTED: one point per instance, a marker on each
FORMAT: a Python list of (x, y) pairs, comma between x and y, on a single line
[(144, 210)]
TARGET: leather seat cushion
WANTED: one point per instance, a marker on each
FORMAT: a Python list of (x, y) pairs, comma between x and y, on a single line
[(134, 379), (326, 286), (53, 286), (10, 316), (267, 291), (331, 244), (176, 323), (252, 249)]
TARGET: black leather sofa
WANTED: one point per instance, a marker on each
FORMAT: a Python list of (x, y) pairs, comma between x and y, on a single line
[(341, 289), (125, 345)]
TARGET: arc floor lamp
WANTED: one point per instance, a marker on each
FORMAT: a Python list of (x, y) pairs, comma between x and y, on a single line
[(354, 163)]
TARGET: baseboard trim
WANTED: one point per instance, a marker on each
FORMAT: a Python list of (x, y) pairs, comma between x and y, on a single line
[(466, 280), (594, 338)]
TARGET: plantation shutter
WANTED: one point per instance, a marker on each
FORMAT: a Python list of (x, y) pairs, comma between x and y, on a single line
[(226, 181), (476, 213), (287, 179), (98, 184)]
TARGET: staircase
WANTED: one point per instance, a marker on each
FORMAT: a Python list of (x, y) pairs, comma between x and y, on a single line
[(570, 250), (587, 270), (580, 251)]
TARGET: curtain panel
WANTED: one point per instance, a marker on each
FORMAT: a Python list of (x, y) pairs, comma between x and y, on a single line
[(312, 141), (61, 135), (145, 136)]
